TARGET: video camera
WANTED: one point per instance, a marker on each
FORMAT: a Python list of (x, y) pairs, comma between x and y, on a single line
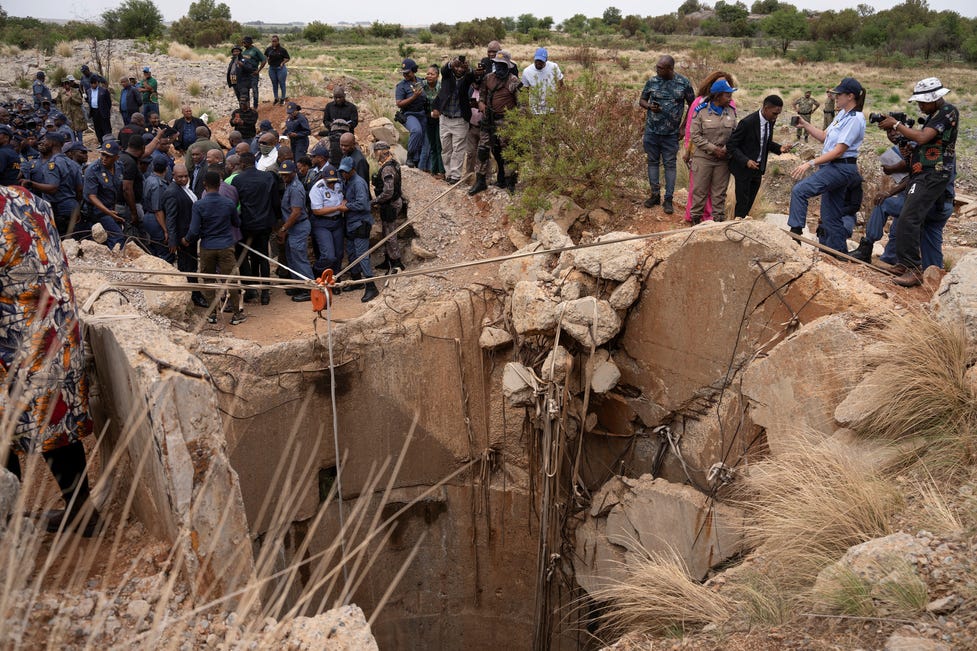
[(875, 118)]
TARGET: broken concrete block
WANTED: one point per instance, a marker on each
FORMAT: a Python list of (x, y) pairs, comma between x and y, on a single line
[(825, 354), (563, 211), (9, 487), (606, 376), (599, 218), (383, 129), (517, 237), (625, 294), (70, 248), (420, 251), (590, 321), (339, 629), (531, 267), (533, 310), (653, 516), (553, 237), (577, 284), (557, 365), (492, 338), (612, 261), (518, 384), (171, 304), (956, 300)]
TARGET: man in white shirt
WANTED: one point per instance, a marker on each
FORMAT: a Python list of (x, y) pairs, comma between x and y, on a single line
[(267, 147), (541, 78)]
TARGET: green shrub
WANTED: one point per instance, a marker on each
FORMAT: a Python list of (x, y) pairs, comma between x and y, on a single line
[(573, 151), (317, 31), (425, 36)]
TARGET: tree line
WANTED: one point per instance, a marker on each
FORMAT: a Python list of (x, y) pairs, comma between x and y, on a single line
[(910, 29)]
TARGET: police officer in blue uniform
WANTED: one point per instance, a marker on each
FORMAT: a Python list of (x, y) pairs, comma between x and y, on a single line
[(103, 191), (359, 220), (294, 233), (9, 157)]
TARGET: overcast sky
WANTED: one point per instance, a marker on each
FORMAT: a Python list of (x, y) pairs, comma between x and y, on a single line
[(412, 13)]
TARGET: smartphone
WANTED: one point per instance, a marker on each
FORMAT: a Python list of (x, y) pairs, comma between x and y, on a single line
[(795, 120)]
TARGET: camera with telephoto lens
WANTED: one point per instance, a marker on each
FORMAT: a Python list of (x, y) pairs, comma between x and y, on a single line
[(875, 118)]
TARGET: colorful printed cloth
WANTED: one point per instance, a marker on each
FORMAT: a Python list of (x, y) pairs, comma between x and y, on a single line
[(42, 364)]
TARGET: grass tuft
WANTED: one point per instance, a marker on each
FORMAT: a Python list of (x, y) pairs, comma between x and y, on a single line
[(63, 49), (920, 389), (658, 596)]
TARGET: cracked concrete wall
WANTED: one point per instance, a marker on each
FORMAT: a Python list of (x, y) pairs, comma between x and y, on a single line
[(163, 414)]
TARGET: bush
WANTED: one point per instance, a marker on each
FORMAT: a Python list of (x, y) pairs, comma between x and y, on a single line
[(317, 31), (573, 151), (132, 19), (386, 30), (425, 36)]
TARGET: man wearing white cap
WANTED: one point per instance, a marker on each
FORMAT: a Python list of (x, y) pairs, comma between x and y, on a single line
[(541, 77), (932, 168)]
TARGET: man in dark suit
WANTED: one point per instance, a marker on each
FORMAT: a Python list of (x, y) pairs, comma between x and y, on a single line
[(748, 147), (101, 102), (177, 206)]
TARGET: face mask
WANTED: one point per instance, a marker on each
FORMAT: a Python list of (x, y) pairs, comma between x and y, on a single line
[(501, 70), (265, 149)]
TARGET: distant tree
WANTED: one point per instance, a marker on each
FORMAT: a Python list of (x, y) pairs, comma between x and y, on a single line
[(785, 25), (666, 24), (134, 18), (526, 22), (575, 24), (764, 6), (631, 25), (386, 30), (612, 17), (477, 32), (440, 28), (689, 7), (546, 23), (730, 20), (205, 24), (835, 26), (317, 31), (509, 23)]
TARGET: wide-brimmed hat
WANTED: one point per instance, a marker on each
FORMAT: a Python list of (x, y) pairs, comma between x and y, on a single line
[(928, 90)]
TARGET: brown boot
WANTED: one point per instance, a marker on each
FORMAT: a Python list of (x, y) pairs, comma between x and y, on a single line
[(911, 277)]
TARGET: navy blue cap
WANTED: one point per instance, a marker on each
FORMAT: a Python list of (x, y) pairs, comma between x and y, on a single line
[(848, 85), (408, 64), (55, 136), (75, 146), (287, 167), (320, 149), (265, 125), (291, 107), (346, 165), (330, 175), (6, 129), (110, 148)]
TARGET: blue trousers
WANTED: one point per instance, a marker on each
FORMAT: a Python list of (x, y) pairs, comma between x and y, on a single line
[(149, 107), (297, 249), (255, 78), (300, 145), (890, 207), (278, 76), (155, 233), (415, 124), (829, 181), (355, 247), (661, 150), (113, 229), (328, 234)]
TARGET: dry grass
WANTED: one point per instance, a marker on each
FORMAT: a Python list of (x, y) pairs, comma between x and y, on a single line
[(193, 88), (809, 505), (63, 49), (902, 592), (659, 597), (181, 51), (919, 387), (762, 600)]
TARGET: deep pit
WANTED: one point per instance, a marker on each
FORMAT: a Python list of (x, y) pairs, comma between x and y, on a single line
[(688, 323)]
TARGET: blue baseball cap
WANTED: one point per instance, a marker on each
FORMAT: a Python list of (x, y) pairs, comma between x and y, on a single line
[(346, 165), (848, 85), (320, 149), (541, 54), (408, 64), (330, 175), (721, 86), (6, 130), (265, 125), (287, 167)]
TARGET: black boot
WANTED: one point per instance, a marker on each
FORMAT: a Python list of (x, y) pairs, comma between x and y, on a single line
[(510, 183), (479, 186), (198, 299), (796, 230), (396, 265), (385, 265), (863, 252), (265, 297), (371, 293), (500, 181)]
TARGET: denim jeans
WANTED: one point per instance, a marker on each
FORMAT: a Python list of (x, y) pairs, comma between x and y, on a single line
[(355, 247), (830, 181), (113, 229), (255, 78), (661, 150), (149, 107), (278, 76), (890, 207)]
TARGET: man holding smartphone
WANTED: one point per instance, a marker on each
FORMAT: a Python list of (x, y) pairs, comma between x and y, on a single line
[(664, 98)]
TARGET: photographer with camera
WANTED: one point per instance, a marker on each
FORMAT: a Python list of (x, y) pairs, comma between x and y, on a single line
[(412, 105), (496, 95), (895, 165), (932, 169), (835, 168)]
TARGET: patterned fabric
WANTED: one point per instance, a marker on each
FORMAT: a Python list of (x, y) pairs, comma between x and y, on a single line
[(940, 153), (42, 364), (672, 95)]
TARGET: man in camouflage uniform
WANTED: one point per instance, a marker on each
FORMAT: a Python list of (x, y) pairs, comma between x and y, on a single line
[(389, 201), (664, 98), (805, 106), (828, 109)]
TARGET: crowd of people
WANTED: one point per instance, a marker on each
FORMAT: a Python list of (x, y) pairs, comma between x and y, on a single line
[(718, 144)]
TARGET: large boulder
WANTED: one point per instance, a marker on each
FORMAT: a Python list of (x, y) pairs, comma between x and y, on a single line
[(534, 311), (591, 321), (612, 261), (794, 390), (630, 518), (956, 299), (530, 267), (340, 629), (384, 129), (172, 304)]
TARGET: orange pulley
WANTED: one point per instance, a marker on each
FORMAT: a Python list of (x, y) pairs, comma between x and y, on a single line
[(322, 292)]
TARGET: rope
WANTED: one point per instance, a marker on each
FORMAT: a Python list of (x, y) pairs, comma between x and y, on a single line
[(335, 439)]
